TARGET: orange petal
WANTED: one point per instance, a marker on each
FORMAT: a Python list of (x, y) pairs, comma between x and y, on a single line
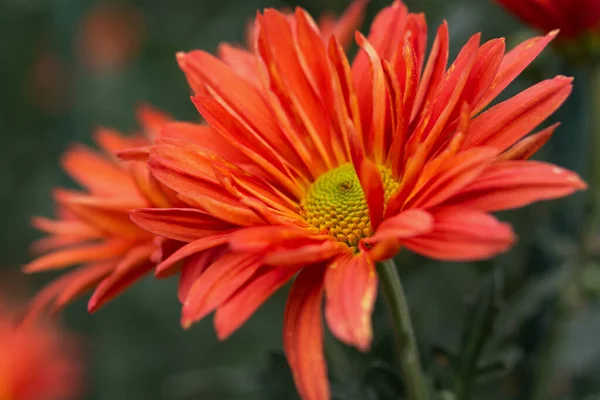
[(131, 268), (240, 307), (108, 215), (304, 254), (66, 288), (433, 73), (351, 289), (66, 227), (151, 120), (204, 136), (344, 26), (242, 61), (77, 255), (247, 142), (183, 224), (447, 103), (193, 267), (98, 174), (276, 36), (408, 223), (369, 178), (47, 244), (217, 284), (149, 186), (513, 63), (183, 158), (113, 141), (134, 154), (525, 148), (504, 124), (462, 234), (164, 268), (375, 141), (485, 69), (386, 33), (303, 335), (260, 238), (456, 173), (345, 90), (513, 184), (242, 101)]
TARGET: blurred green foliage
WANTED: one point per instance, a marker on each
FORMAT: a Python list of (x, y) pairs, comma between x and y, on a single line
[(55, 90)]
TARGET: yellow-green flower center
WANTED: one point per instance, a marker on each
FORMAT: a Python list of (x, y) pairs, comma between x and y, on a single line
[(335, 204)]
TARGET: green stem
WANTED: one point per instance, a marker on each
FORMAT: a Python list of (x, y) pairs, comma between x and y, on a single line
[(404, 335), (572, 286)]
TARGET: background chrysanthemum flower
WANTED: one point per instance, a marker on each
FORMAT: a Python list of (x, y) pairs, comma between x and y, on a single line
[(37, 361), (572, 17), (345, 165), (92, 228)]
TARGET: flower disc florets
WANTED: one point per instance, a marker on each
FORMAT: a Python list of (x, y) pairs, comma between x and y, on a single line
[(335, 203)]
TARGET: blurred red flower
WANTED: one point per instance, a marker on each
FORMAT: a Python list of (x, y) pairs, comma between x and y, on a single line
[(37, 361), (572, 17)]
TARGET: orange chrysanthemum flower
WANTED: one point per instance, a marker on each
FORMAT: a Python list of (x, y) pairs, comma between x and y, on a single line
[(340, 166), (572, 17), (93, 228), (37, 361)]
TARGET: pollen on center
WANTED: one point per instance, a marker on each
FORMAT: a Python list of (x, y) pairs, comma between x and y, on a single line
[(335, 204)]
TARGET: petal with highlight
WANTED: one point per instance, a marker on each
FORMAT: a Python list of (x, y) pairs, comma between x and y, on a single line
[(219, 282), (85, 253), (183, 224), (505, 123), (166, 267), (240, 307), (132, 267), (462, 234), (303, 334), (351, 289), (513, 184)]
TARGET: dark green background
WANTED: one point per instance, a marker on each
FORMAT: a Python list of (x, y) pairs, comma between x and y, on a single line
[(135, 345)]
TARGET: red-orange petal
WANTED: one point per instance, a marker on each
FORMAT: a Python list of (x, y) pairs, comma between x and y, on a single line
[(81, 254), (406, 224), (463, 234), (193, 267), (513, 63), (456, 173), (261, 238), (306, 254), (97, 173), (369, 178), (66, 288), (504, 124), (130, 268), (351, 289), (303, 334), (183, 224), (166, 267), (513, 184), (218, 283), (240, 307), (343, 27), (527, 147)]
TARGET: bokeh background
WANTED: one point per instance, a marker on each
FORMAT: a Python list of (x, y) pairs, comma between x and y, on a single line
[(69, 66)]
